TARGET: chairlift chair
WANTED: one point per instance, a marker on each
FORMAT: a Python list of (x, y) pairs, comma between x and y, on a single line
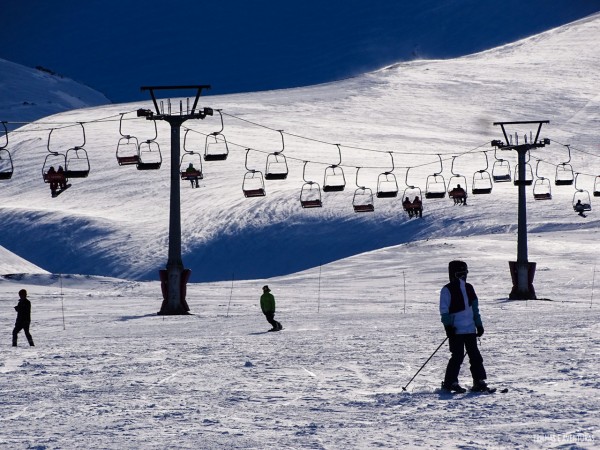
[(276, 167), (564, 172), (150, 157), (412, 198), (78, 163), (541, 187), (187, 172), (54, 160), (310, 194), (387, 185), (457, 186), (597, 186), (253, 184), (583, 196), (128, 147), (6, 163), (362, 201), (482, 180), (500, 170), (149, 154), (435, 185), (334, 179), (528, 181), (215, 146)]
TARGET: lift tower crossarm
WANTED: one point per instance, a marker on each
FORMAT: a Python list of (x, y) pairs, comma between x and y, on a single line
[(198, 87)]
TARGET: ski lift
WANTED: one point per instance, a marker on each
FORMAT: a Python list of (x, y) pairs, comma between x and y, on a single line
[(456, 190), (363, 197), (53, 171), (564, 172), (482, 180), (597, 186), (500, 169), (310, 194), (128, 147), (528, 180), (78, 163), (276, 167), (435, 186), (149, 154), (190, 166), (411, 198), (334, 179), (253, 184), (6, 163), (387, 185), (581, 198), (215, 147), (541, 187)]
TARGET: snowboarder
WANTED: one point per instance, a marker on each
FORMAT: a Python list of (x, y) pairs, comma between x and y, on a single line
[(267, 304), (459, 308), (580, 208), (23, 321)]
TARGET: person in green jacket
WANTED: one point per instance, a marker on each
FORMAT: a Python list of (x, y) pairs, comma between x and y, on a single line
[(267, 304)]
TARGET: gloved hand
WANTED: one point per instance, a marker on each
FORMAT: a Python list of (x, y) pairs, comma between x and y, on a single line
[(450, 331), (480, 331)]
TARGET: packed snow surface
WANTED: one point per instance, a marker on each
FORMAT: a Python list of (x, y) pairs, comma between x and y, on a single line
[(357, 293)]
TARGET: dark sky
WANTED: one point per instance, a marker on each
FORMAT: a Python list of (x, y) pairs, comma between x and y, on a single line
[(247, 45)]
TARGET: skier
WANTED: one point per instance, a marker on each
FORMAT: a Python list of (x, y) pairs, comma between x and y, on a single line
[(459, 308), (267, 304), (23, 321)]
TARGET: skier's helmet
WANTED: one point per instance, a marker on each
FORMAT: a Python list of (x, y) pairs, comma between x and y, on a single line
[(457, 269)]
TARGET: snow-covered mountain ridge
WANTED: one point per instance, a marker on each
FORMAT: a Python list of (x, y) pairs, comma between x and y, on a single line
[(114, 223)]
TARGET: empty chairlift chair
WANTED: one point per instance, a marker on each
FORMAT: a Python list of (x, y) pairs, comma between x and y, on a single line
[(387, 185), (215, 146), (253, 184), (597, 186), (363, 197), (501, 170), (150, 157), (334, 179), (482, 180), (276, 167), (77, 161), (128, 147), (435, 186), (541, 187), (6, 163), (528, 173), (310, 194), (564, 172)]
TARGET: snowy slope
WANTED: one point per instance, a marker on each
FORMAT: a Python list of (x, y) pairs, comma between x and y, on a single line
[(29, 94), (107, 372), (114, 223)]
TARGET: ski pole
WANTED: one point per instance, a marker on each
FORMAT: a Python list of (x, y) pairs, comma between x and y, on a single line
[(415, 375)]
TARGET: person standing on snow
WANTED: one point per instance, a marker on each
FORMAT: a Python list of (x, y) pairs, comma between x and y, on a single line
[(267, 304), (459, 308), (23, 321)]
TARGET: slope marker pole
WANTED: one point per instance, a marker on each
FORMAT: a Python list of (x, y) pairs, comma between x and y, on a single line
[(230, 294)]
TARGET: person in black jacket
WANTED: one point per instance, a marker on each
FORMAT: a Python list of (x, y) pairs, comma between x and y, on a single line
[(23, 321), (459, 308)]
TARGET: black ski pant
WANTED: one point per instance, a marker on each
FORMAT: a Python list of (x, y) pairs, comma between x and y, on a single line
[(25, 327), (458, 344), (270, 316)]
